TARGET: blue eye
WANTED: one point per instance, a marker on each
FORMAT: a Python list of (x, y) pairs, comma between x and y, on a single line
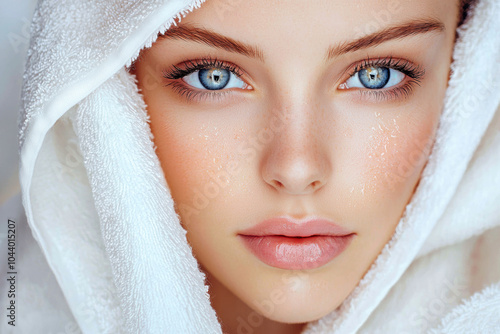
[(375, 77), (214, 78)]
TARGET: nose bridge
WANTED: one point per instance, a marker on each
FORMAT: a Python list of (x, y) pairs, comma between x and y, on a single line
[(295, 133), (295, 161)]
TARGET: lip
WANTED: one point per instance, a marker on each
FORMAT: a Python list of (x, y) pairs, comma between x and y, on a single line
[(287, 243)]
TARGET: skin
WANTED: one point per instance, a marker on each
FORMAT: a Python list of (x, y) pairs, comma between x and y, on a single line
[(342, 154)]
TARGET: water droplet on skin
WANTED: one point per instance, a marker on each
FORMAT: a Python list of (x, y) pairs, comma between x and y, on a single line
[(396, 126)]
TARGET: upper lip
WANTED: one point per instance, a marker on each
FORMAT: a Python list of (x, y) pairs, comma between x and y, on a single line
[(290, 227)]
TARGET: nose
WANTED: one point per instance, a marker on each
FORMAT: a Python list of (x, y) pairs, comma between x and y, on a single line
[(295, 161)]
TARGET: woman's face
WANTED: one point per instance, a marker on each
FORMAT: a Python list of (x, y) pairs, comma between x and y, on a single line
[(297, 109)]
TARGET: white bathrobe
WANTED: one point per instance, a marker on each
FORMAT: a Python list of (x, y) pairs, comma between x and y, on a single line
[(99, 247)]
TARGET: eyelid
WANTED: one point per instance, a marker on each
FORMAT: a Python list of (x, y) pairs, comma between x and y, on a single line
[(189, 66), (176, 73), (413, 76), (192, 94), (405, 66)]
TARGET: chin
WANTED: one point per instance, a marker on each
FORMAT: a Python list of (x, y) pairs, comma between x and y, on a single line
[(294, 307), (295, 315)]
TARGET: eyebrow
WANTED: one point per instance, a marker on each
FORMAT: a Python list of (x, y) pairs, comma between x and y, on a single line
[(395, 32), (201, 35), (213, 39)]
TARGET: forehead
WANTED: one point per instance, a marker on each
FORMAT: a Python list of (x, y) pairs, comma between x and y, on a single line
[(272, 23)]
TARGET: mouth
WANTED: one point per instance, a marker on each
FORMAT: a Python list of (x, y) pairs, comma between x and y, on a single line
[(285, 243)]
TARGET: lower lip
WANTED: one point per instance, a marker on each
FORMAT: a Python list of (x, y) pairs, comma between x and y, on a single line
[(294, 253)]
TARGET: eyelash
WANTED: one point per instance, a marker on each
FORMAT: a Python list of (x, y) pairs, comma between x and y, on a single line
[(413, 72), (191, 66)]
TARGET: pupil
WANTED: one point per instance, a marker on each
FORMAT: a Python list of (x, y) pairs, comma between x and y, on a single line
[(373, 73)]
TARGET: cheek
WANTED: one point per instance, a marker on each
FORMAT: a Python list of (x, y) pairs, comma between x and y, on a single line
[(201, 165), (393, 151), (189, 156), (396, 154)]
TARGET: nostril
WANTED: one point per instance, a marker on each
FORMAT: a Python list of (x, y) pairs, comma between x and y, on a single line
[(278, 184)]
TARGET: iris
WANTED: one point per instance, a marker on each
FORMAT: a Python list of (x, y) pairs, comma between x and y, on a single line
[(374, 77), (214, 78)]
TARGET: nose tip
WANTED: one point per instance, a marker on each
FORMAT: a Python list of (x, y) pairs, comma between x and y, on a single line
[(295, 176)]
